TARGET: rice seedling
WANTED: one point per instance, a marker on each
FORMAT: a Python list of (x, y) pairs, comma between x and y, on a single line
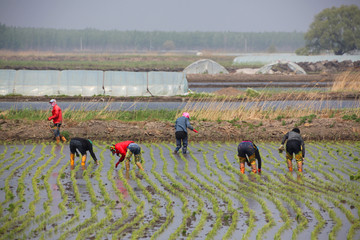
[(198, 195)]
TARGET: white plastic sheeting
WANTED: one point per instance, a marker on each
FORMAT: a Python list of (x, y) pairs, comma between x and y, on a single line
[(205, 66), (90, 83), (293, 66)]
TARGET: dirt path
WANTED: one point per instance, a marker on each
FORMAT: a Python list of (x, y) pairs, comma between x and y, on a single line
[(270, 130)]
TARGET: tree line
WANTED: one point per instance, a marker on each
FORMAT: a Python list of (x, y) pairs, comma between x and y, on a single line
[(45, 39)]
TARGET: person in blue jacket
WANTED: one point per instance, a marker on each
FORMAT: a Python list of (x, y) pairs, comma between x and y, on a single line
[(181, 134)]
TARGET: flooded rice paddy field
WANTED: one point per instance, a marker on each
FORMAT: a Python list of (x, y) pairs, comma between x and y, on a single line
[(200, 195)]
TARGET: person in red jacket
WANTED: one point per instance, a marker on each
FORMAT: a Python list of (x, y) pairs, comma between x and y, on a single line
[(57, 120), (126, 149)]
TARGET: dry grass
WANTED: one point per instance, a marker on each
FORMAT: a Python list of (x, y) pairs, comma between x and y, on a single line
[(347, 81), (243, 110)]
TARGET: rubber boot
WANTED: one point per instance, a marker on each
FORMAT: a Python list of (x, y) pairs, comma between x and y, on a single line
[(127, 165), (63, 139), (57, 139), (242, 168), (300, 166), (72, 157), (289, 163), (83, 160), (253, 166), (139, 166)]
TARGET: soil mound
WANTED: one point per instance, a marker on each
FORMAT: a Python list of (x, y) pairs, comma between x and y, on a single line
[(230, 91)]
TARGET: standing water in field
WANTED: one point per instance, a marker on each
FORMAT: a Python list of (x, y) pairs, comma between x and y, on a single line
[(197, 195)]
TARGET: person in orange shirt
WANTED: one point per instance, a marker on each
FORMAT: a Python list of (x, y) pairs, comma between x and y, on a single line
[(126, 149), (57, 120)]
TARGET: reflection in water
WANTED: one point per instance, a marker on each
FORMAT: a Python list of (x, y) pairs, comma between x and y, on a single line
[(122, 188)]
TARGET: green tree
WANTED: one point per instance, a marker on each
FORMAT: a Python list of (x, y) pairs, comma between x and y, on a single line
[(336, 29)]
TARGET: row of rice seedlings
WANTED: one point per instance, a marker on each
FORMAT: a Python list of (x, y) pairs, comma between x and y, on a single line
[(176, 186), (13, 156), (177, 192), (14, 207), (48, 221), (46, 212), (9, 220), (318, 197), (302, 194), (222, 195), (82, 228), (347, 162), (333, 167), (86, 231), (338, 199), (268, 215), (339, 184), (200, 209), (139, 208), (20, 188), (126, 204), (64, 197), (89, 185), (269, 196), (220, 185), (154, 209), (2, 155), (269, 188), (246, 209), (46, 185), (80, 205), (84, 224), (169, 208), (9, 195), (27, 218), (83, 233), (300, 218), (108, 201)]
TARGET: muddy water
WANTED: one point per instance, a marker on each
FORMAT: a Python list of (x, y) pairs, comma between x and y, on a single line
[(326, 177)]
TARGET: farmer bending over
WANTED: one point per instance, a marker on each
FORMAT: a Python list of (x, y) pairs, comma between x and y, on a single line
[(57, 120), (181, 135), (248, 152), (82, 145), (294, 145), (126, 149)]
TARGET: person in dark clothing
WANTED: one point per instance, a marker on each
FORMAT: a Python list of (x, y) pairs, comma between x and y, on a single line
[(181, 134), (248, 152), (294, 145), (82, 145)]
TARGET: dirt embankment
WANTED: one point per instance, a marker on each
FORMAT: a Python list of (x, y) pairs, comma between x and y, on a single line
[(269, 130)]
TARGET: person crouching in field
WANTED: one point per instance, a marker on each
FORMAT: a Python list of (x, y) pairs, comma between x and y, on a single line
[(82, 145), (126, 149), (294, 145), (57, 120), (248, 152), (181, 134)]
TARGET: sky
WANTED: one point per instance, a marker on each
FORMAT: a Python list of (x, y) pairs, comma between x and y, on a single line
[(167, 15)]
